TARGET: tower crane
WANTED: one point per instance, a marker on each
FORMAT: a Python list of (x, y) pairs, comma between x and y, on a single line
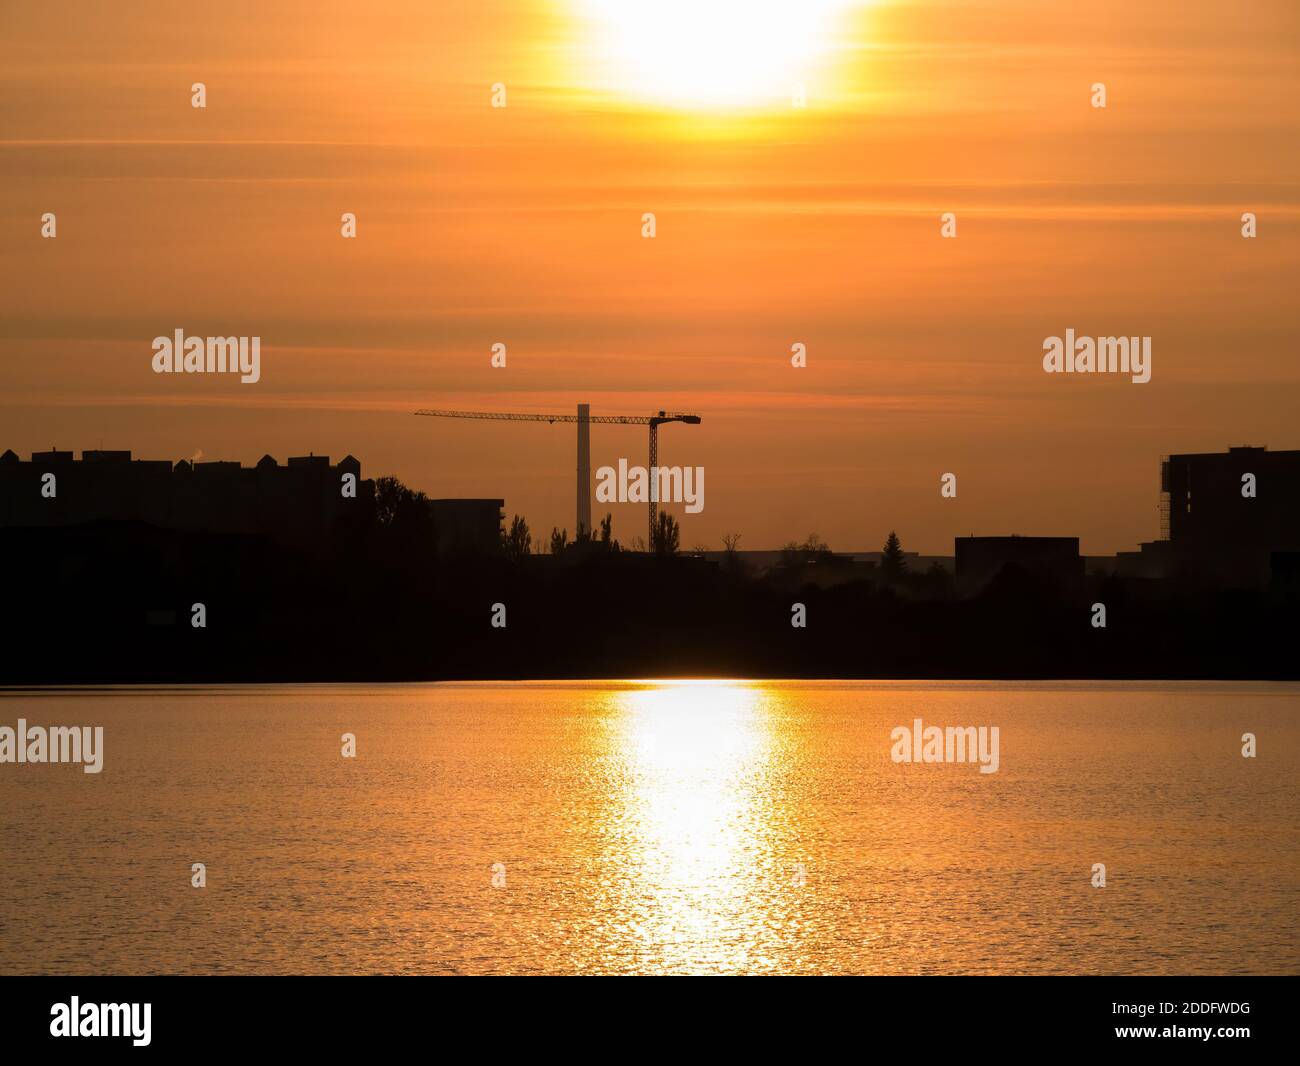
[(584, 419)]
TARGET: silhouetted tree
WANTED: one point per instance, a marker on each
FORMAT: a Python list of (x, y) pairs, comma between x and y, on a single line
[(559, 540), (814, 545), (404, 533), (893, 564), (795, 554), (519, 541), (396, 504), (607, 540), (667, 535), (731, 561)]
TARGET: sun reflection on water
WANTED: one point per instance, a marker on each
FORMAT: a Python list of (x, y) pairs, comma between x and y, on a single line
[(691, 827)]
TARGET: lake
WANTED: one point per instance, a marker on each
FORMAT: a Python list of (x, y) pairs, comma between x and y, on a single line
[(655, 827)]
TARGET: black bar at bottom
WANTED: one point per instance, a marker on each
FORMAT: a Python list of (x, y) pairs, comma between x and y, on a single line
[(339, 1015)]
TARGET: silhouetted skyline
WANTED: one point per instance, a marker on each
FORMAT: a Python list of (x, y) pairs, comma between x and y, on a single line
[(1225, 511), (208, 571)]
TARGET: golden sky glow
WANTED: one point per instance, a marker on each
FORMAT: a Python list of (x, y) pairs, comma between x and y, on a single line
[(726, 54), (776, 225)]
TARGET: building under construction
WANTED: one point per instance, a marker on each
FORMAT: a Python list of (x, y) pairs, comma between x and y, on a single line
[(1224, 517)]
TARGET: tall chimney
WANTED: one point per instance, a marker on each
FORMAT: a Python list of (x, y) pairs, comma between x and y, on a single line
[(584, 469)]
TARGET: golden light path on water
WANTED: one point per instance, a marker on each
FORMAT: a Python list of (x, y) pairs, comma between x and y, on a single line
[(691, 824)]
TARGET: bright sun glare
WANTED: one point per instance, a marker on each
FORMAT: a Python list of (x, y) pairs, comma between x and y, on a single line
[(711, 54)]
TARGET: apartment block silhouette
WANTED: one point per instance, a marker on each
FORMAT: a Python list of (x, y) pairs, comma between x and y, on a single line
[(299, 503)]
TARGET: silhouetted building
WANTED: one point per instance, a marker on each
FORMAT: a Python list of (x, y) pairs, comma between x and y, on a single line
[(1245, 497), (300, 503), (467, 527), (1223, 516), (1052, 560)]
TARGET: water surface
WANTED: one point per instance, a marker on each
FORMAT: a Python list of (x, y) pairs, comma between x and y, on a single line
[(655, 827)]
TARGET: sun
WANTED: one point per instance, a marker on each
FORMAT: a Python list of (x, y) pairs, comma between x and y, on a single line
[(710, 54)]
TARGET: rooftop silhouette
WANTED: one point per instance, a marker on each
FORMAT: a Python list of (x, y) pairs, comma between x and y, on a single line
[(306, 571), (296, 503)]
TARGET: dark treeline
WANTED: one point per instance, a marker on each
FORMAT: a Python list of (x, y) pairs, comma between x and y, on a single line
[(114, 603)]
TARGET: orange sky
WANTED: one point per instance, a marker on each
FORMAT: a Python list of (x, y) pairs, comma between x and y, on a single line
[(776, 225)]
